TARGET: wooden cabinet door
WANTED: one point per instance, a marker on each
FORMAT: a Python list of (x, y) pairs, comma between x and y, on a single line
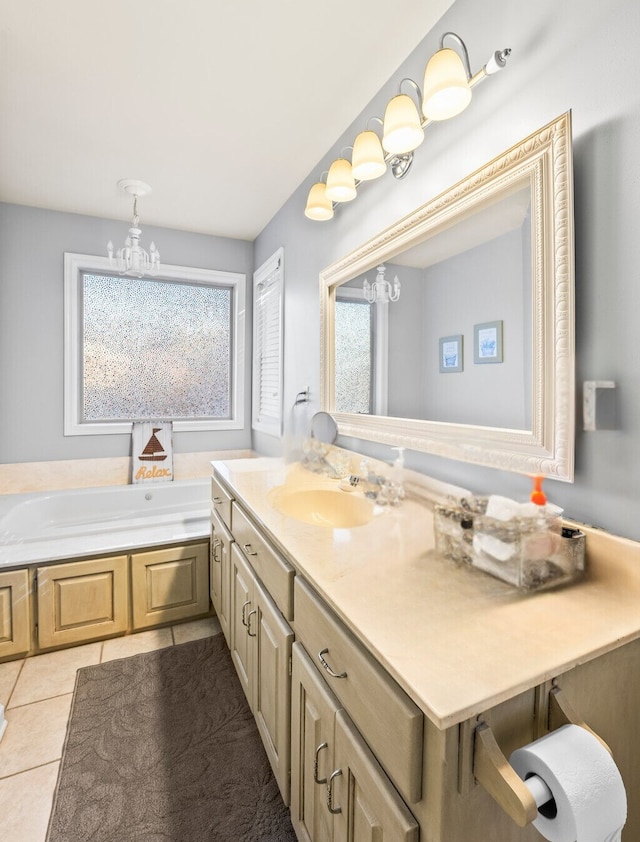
[(272, 638), (170, 584), (82, 600), (313, 710), (220, 572), (242, 580), (365, 804), (15, 615)]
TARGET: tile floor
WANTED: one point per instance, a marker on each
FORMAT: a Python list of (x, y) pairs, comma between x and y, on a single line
[(36, 693)]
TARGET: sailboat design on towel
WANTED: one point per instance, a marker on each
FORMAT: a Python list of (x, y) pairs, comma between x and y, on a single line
[(153, 450)]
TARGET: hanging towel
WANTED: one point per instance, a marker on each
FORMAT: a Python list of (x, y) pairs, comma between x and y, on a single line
[(152, 451)]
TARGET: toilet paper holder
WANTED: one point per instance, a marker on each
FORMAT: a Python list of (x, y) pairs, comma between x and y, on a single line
[(494, 772)]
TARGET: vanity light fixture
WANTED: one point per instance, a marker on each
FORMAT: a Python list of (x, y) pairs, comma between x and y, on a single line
[(341, 185), (381, 291), (447, 90), (132, 259)]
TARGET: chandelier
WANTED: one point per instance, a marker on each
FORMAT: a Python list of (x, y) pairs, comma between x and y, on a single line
[(381, 291), (132, 259)]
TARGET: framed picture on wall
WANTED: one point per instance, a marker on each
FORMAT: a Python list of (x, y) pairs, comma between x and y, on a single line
[(487, 342), (450, 353)]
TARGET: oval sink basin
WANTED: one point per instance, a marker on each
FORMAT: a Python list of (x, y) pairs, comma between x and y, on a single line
[(323, 507)]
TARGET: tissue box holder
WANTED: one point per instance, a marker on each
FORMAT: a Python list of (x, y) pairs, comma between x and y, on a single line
[(530, 553)]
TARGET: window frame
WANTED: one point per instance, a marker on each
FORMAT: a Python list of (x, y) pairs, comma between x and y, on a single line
[(74, 266), (273, 266)]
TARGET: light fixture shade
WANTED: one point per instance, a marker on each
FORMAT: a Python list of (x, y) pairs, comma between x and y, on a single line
[(341, 186), (318, 207), (446, 88), (402, 130), (367, 161)]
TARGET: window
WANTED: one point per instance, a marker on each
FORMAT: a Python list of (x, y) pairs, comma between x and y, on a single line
[(361, 353), (152, 348), (267, 345)]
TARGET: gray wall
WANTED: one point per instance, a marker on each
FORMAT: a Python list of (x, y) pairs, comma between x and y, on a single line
[(580, 55), (483, 284), (32, 244)]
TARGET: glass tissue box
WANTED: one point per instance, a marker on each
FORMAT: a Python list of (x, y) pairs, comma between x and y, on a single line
[(526, 546)]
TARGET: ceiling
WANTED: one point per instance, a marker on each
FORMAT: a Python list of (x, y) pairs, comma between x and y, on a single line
[(223, 106)]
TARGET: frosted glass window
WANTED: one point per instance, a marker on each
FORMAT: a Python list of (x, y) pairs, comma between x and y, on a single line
[(154, 349), (353, 364), (159, 349)]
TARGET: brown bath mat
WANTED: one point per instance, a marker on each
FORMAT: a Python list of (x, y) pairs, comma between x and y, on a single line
[(162, 747)]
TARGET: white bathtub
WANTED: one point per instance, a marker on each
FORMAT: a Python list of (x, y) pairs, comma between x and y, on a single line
[(48, 526)]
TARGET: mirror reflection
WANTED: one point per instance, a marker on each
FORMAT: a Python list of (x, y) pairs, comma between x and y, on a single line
[(389, 353), (469, 354)]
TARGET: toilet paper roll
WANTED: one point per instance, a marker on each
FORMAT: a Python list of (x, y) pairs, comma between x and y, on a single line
[(590, 799)]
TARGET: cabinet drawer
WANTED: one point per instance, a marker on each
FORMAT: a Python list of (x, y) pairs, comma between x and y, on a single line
[(276, 574), (221, 500), (389, 721)]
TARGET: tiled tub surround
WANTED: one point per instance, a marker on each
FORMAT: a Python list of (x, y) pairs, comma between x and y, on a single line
[(465, 646), (25, 477)]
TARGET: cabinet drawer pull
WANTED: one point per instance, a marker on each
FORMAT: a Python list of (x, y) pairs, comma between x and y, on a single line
[(315, 765), (247, 549), (327, 667), (217, 500), (216, 545), (244, 608), (330, 806), (249, 616)]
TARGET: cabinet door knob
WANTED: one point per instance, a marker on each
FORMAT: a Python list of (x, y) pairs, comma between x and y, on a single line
[(330, 806), (249, 616), (244, 608), (327, 667), (248, 550), (315, 765)]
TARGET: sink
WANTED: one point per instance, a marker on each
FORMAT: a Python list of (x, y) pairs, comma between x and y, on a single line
[(323, 506)]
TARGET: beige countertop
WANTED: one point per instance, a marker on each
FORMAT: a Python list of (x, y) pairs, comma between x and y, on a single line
[(456, 639)]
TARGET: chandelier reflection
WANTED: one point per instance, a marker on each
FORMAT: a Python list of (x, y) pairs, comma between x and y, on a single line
[(381, 291)]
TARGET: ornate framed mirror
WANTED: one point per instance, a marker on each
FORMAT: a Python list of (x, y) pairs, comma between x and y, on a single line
[(485, 275)]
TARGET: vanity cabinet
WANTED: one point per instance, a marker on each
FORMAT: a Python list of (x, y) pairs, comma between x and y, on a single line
[(220, 571), (82, 600), (260, 638), (339, 791), (15, 615)]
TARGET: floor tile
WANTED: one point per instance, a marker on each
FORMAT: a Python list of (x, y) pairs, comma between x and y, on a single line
[(25, 803), (196, 629), (8, 675), (52, 674), (134, 644), (35, 735)]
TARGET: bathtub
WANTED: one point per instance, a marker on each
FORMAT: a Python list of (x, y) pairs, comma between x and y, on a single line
[(48, 526)]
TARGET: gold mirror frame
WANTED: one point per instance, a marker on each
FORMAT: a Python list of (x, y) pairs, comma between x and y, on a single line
[(545, 160)]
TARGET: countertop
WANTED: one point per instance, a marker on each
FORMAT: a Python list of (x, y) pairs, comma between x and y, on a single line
[(456, 639)]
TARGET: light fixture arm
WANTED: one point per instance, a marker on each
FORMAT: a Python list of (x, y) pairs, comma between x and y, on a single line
[(415, 85), (463, 50)]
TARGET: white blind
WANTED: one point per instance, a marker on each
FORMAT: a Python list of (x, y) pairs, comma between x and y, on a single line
[(268, 345)]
